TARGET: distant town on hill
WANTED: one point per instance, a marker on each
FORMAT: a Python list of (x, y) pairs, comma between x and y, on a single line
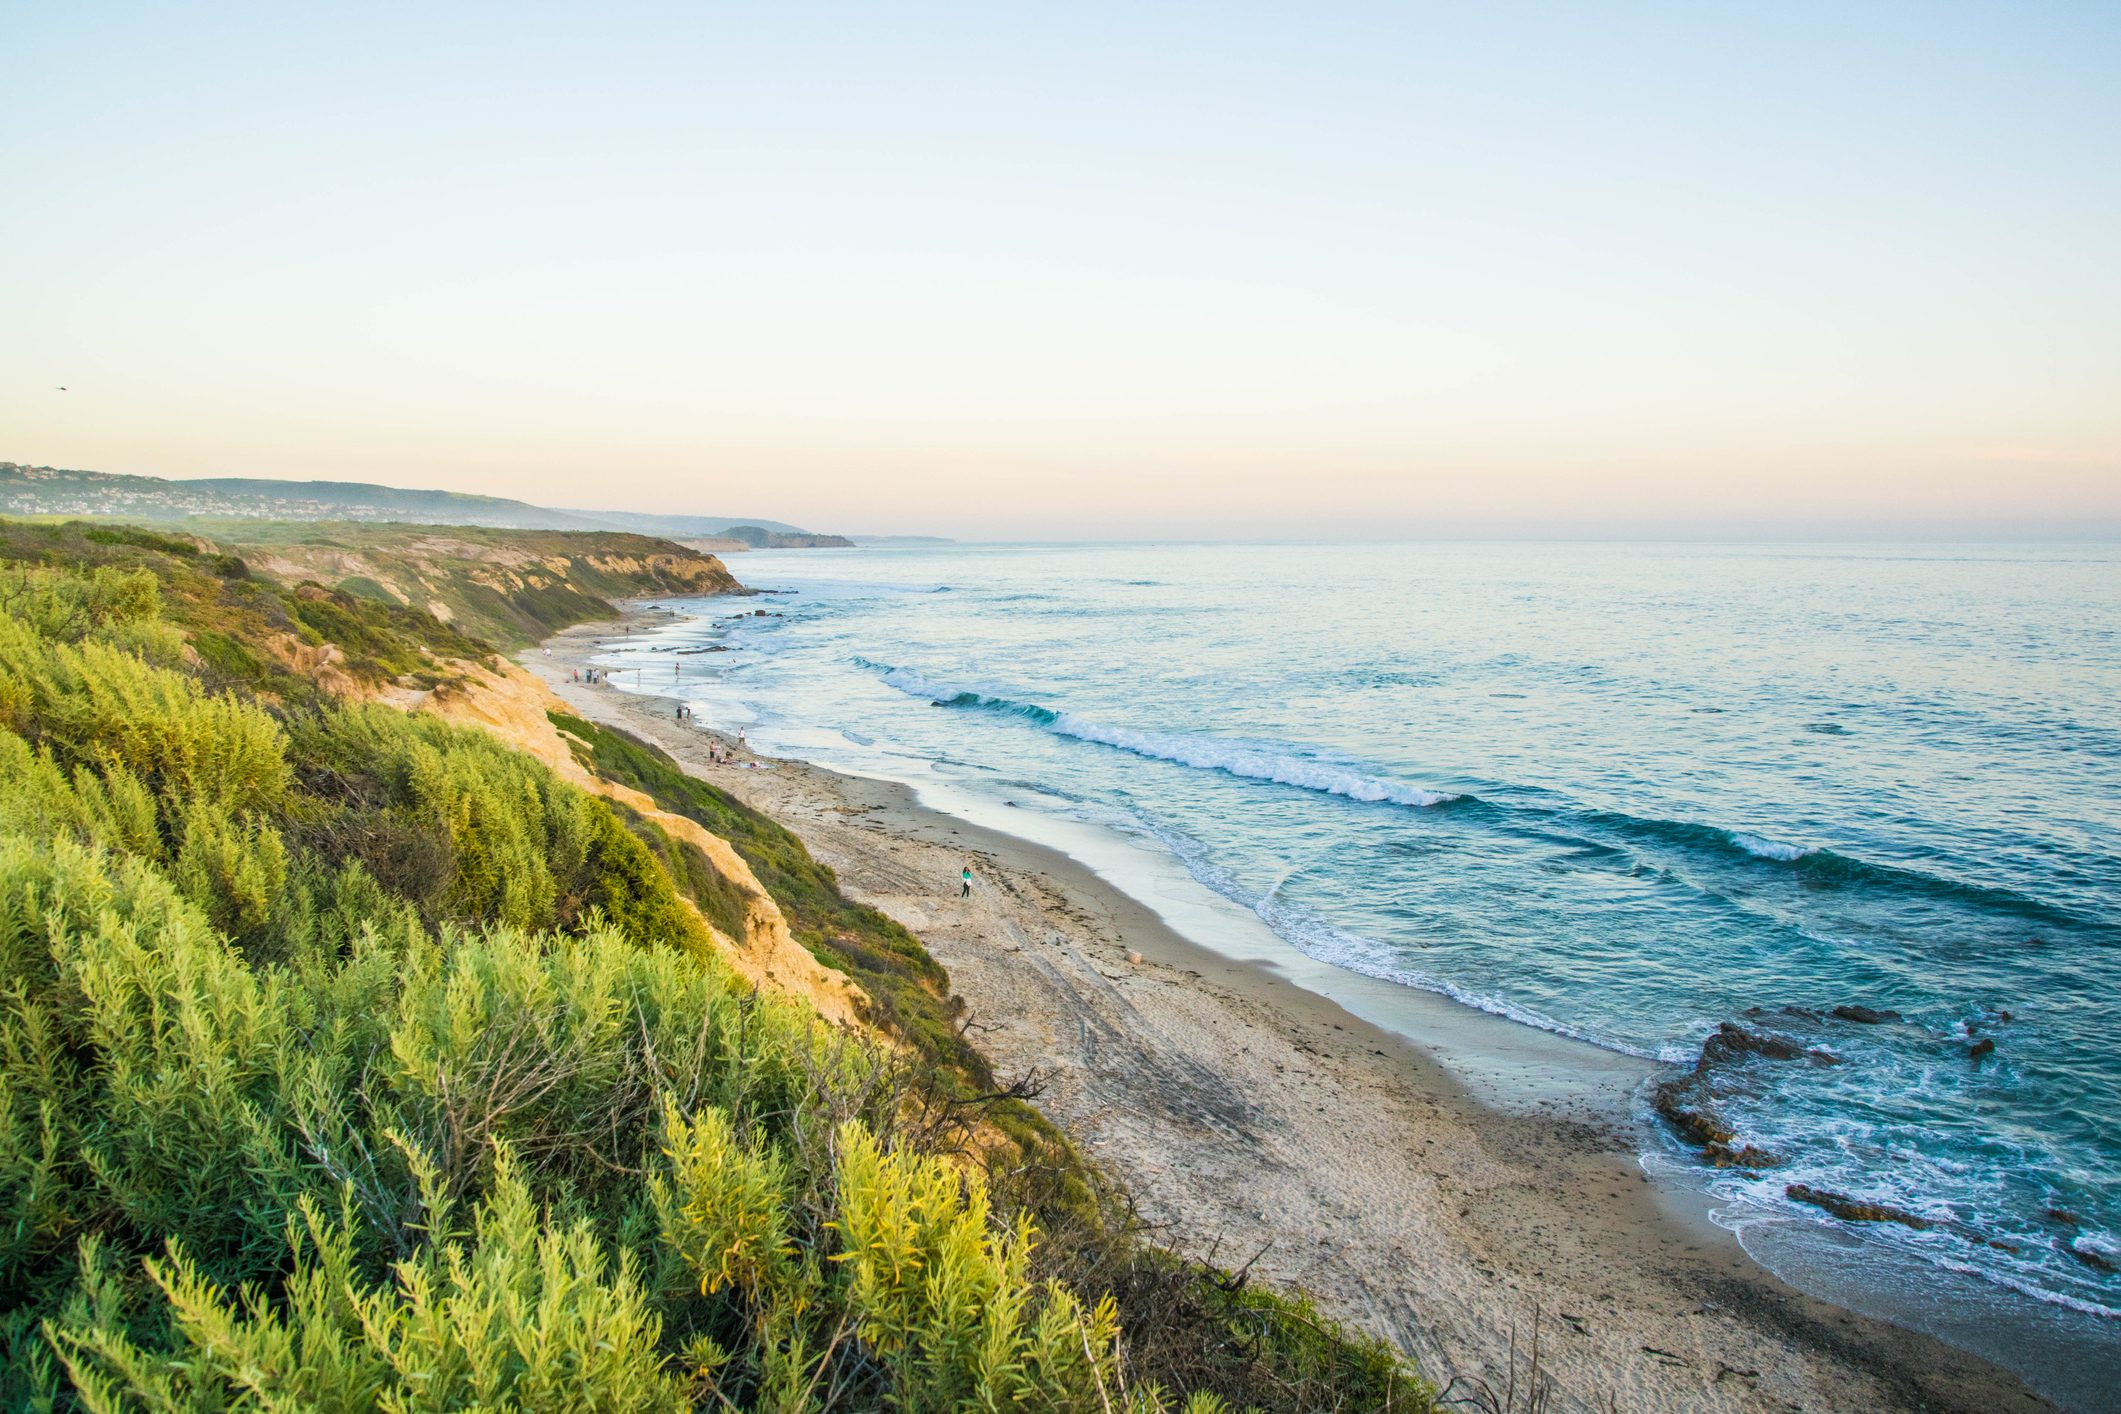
[(52, 491)]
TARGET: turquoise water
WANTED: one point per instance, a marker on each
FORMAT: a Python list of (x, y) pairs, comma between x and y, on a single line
[(1626, 793)]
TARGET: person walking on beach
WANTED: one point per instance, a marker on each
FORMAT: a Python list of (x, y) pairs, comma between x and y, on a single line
[(964, 883)]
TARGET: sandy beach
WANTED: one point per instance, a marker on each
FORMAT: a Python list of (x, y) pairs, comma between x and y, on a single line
[(1259, 1122)]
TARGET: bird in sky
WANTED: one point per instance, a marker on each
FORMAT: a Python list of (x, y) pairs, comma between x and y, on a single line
[(62, 390)]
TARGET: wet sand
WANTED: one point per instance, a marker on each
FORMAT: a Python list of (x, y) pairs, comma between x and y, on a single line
[(1255, 1119)]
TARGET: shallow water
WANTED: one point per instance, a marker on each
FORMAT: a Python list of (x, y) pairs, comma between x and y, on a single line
[(1625, 793)]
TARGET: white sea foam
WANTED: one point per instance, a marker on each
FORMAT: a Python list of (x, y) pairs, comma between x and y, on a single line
[(1321, 941), (1770, 849), (1336, 947)]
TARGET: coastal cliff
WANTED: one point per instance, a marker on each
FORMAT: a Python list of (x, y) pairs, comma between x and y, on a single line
[(508, 586)]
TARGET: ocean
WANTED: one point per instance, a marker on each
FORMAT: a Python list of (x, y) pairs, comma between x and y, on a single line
[(1631, 794)]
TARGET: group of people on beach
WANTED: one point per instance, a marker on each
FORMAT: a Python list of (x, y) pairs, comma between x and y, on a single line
[(588, 675)]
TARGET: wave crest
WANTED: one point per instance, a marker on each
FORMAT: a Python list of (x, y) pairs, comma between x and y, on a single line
[(1259, 761), (1771, 849), (1252, 761)]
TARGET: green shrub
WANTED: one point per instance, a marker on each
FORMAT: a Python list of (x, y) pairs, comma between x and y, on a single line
[(516, 1315), (231, 618), (721, 901), (943, 1298), (725, 1210), (908, 989), (144, 539), (100, 707), (524, 848)]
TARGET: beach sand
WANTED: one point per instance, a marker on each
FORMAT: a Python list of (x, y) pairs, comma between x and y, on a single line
[(1256, 1121)]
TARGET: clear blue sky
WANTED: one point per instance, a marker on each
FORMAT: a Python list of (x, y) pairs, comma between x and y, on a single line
[(1085, 269)]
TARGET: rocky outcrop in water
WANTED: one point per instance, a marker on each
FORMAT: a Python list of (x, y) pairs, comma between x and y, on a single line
[(1733, 1042), (1687, 1102), (2093, 1257), (1678, 1102), (1745, 1156), (1854, 1210)]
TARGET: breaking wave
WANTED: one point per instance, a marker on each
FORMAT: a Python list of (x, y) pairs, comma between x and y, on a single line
[(1252, 760), (1770, 849), (1283, 764)]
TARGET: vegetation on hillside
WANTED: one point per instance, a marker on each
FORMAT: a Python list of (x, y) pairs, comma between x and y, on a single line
[(397, 601), (233, 629), (352, 1060), (1194, 1326), (908, 988)]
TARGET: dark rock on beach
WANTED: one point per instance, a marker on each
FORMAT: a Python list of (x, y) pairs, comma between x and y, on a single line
[(1697, 1126), (1682, 1101)]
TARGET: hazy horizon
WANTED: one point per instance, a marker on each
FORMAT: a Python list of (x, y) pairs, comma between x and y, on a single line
[(1350, 272)]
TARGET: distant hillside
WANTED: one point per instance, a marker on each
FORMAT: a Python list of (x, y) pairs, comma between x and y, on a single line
[(758, 537), (509, 587), (52, 491), (684, 527)]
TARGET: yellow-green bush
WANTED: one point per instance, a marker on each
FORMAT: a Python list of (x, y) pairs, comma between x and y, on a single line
[(518, 1315), (944, 1298), (725, 1208), (67, 605), (526, 848), (98, 706)]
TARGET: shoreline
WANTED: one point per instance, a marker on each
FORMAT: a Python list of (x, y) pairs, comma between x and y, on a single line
[(1251, 1112)]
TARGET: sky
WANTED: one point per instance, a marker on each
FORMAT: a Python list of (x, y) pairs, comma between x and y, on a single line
[(1003, 270)]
